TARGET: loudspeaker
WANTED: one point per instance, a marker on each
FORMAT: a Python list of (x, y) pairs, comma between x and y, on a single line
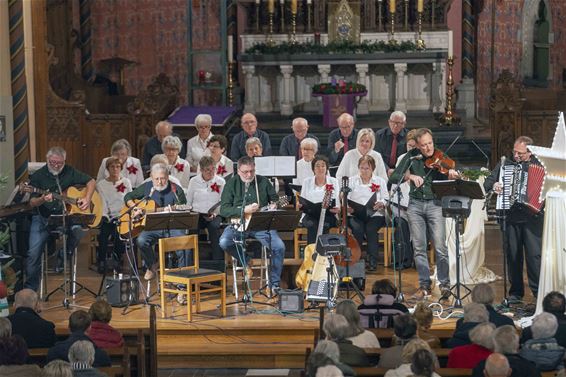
[(118, 291), (330, 244), (291, 301)]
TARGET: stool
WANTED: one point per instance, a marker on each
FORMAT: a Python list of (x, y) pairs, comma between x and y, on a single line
[(263, 269)]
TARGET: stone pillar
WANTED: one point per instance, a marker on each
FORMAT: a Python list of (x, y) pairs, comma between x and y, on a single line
[(19, 90), (251, 92), (324, 71), (86, 37), (466, 89), (286, 105), (363, 105), (401, 87)]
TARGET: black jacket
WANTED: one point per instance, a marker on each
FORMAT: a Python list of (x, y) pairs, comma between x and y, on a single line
[(36, 331), (60, 351), (461, 335), (494, 317), (521, 367)]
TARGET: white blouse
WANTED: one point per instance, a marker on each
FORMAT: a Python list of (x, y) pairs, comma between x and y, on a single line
[(196, 148), (182, 171), (304, 171), (315, 194), (204, 194), (223, 168), (112, 195), (362, 192), (349, 165), (132, 170)]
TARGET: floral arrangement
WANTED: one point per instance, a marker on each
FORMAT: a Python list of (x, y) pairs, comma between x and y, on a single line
[(340, 87), (475, 174), (336, 47)]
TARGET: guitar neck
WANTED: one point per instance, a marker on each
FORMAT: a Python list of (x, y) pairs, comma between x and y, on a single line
[(321, 222), (57, 196)]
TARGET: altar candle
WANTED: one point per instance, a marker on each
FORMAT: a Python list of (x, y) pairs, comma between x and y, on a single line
[(230, 49), (257, 2), (271, 6), (282, 2), (450, 44), (309, 2), (293, 6), (391, 6), (420, 6)]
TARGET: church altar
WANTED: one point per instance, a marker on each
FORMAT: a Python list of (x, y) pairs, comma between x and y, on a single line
[(412, 80)]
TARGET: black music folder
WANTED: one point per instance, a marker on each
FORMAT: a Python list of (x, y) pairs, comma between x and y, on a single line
[(295, 187), (310, 208), (363, 211), (458, 187)]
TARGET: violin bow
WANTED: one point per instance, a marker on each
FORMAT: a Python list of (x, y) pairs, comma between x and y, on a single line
[(447, 149)]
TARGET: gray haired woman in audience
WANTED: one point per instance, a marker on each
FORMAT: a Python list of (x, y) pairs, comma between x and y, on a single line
[(361, 337), (57, 368), (543, 349), (405, 369), (331, 350)]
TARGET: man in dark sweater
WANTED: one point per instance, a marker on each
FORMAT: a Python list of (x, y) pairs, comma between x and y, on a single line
[(79, 322), (26, 322)]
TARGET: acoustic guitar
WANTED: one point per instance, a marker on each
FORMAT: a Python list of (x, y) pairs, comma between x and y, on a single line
[(304, 275), (70, 198), (138, 222), (281, 202)]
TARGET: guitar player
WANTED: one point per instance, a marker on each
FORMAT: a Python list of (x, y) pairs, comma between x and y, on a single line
[(165, 193), (244, 194), (55, 177)]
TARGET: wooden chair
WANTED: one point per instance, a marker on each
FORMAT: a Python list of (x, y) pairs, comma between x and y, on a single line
[(189, 275)]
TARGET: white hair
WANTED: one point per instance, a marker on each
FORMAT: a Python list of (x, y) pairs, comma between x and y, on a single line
[(159, 168), (56, 151), (203, 118), (505, 339), (82, 351), (310, 141), (328, 348), (171, 141), (366, 132), (544, 326), (475, 312), (163, 123), (253, 140), (120, 144), (482, 334), (398, 114), (299, 120)]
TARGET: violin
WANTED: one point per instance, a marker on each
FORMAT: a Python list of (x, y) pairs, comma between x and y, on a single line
[(441, 162)]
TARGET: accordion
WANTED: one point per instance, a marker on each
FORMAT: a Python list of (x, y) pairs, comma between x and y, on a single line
[(522, 186)]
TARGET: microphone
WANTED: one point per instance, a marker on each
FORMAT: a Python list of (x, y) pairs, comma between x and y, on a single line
[(417, 157), (150, 193)]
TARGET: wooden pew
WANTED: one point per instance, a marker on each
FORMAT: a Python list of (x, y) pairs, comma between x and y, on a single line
[(385, 335), (444, 372)]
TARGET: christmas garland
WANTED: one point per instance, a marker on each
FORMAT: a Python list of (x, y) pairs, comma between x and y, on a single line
[(342, 47), (339, 88)]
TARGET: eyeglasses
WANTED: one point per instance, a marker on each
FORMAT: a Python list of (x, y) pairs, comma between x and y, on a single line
[(346, 127), (250, 122), (521, 154), (203, 127), (56, 163), (251, 171)]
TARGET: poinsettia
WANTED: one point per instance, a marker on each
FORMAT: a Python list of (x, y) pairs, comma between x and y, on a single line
[(121, 187), (221, 170), (132, 169), (374, 187), (215, 187), (329, 187), (180, 167)]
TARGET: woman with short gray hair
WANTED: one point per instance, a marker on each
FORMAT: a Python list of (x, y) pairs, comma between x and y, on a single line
[(178, 167), (81, 357), (337, 329), (543, 349), (473, 315), (197, 145), (470, 355), (309, 148), (131, 166)]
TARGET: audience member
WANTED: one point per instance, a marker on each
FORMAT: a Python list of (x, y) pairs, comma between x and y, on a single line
[(483, 294), (331, 350), (474, 314), (337, 329), (290, 145), (26, 322), (423, 315), (309, 149), (5, 327), (79, 322), (364, 146), (131, 168), (361, 337), (379, 308), (390, 141), (249, 129), (178, 167), (506, 342), (422, 364), (197, 145), (341, 139), (405, 330), (320, 365), (100, 331), (153, 145), (497, 365), (81, 357), (470, 355), (543, 349), (223, 166), (254, 148), (13, 357), (404, 369), (57, 368), (555, 304)]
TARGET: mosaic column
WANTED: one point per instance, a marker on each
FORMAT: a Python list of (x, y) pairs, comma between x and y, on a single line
[(466, 89), (19, 90), (86, 34)]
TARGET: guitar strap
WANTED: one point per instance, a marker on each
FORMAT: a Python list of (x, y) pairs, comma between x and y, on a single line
[(257, 192)]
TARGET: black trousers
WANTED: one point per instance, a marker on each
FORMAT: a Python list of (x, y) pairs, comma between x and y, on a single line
[(213, 227), (368, 230), (311, 224), (108, 230), (524, 237)]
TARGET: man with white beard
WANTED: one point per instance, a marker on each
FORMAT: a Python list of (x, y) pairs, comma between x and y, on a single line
[(165, 193), (55, 177)]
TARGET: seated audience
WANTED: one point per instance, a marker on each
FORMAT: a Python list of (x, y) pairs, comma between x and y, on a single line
[(197, 145), (380, 308), (57, 368), (223, 166), (474, 314), (249, 130), (131, 168), (5, 327), (81, 357), (506, 342), (422, 364), (405, 367), (79, 322), (361, 338), (341, 139), (423, 316), (100, 331), (555, 304), (320, 365), (290, 145), (178, 167), (405, 330), (337, 329), (543, 349), (497, 365), (153, 145), (26, 322), (309, 148), (13, 357), (331, 350), (483, 294), (470, 355)]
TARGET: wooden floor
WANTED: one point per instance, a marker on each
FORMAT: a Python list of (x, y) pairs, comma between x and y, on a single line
[(252, 336)]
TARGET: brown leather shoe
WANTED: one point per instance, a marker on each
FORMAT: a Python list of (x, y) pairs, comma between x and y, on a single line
[(421, 294)]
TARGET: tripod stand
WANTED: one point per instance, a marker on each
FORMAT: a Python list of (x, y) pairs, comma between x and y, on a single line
[(348, 280)]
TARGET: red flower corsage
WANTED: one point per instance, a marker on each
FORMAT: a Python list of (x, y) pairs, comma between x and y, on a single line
[(329, 187), (121, 187), (180, 167), (221, 170), (215, 187), (374, 187), (132, 169)]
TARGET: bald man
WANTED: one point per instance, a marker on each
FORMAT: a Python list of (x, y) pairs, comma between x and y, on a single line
[(497, 365), (153, 145), (26, 322), (290, 145)]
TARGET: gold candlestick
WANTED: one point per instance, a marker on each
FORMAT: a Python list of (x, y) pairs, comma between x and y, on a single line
[(392, 40), (293, 39), (270, 41), (420, 40), (230, 85), (449, 118), (406, 15)]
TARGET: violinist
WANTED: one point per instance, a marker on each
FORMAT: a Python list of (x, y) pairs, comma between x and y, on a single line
[(426, 164)]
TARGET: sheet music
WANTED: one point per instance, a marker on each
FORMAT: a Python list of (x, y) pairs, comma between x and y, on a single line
[(276, 166)]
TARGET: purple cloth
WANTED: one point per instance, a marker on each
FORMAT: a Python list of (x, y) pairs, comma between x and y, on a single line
[(184, 116), (336, 104)]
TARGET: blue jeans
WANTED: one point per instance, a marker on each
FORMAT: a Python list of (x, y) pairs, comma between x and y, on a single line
[(277, 248), (425, 217), (148, 239), (38, 235)]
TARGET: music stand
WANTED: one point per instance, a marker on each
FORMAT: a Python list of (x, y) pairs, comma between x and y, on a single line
[(456, 196)]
